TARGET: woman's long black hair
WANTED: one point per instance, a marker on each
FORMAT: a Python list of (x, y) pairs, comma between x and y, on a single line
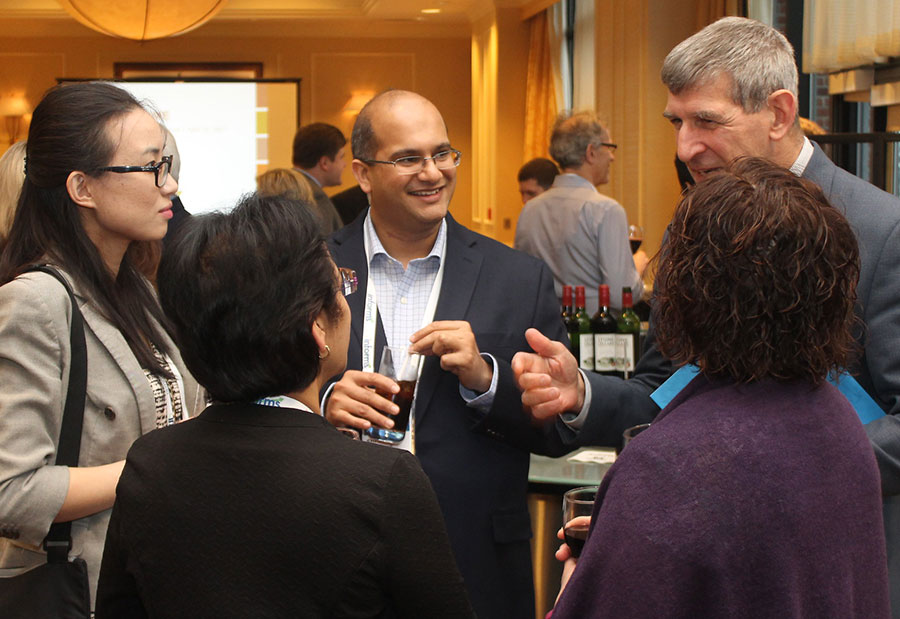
[(69, 131)]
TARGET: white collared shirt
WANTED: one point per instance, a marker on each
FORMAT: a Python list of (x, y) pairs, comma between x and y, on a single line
[(806, 153), (403, 296), (402, 293)]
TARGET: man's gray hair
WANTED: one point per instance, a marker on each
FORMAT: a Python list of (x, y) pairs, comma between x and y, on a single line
[(572, 133), (757, 57)]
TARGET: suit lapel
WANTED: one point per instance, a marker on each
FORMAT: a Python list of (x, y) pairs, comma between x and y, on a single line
[(118, 349), (463, 264), (349, 251)]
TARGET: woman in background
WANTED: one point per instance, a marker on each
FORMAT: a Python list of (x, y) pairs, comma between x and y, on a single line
[(755, 492), (12, 174), (95, 197), (259, 507), (285, 182)]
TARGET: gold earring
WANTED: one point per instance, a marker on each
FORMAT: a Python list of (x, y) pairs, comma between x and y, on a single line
[(327, 352)]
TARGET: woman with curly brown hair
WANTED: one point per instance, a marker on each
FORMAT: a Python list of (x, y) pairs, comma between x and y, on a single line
[(755, 492)]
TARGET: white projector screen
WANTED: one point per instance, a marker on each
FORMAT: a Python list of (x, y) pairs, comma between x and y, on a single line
[(227, 133)]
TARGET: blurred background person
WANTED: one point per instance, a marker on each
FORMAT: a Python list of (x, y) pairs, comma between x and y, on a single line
[(12, 175), (535, 177), (332, 527), (755, 492), (286, 182), (581, 234), (350, 203), (179, 214), (320, 154), (97, 193)]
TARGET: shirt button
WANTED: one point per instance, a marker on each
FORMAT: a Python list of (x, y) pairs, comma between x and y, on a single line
[(403, 300), (109, 413)]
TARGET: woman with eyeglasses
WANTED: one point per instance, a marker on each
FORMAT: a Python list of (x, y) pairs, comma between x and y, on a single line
[(281, 514), (95, 201)]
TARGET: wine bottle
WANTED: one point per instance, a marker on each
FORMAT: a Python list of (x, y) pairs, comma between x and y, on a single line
[(585, 354), (604, 326), (568, 316), (629, 330), (566, 304)]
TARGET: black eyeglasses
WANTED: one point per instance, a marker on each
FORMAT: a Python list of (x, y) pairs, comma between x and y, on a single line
[(414, 164), (610, 146), (160, 170)]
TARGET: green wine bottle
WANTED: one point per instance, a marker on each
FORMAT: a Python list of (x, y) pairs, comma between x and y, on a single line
[(604, 326), (568, 316), (629, 327), (585, 354)]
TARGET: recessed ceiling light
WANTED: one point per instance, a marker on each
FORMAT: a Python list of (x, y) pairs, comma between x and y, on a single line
[(431, 11)]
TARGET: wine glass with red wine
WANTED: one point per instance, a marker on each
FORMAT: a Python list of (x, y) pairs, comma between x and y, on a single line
[(635, 237), (578, 504)]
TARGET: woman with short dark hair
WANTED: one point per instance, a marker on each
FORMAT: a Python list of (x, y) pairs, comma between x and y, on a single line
[(94, 204), (755, 491), (259, 507)]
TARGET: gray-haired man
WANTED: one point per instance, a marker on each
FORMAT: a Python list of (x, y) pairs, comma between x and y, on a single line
[(581, 234)]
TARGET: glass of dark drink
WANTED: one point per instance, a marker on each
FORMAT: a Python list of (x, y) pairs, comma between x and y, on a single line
[(635, 237), (629, 434), (577, 505), (402, 366)]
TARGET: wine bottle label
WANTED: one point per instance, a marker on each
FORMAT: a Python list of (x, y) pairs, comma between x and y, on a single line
[(605, 352), (625, 351), (586, 351)]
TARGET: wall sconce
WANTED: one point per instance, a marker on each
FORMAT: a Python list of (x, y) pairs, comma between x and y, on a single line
[(357, 100), (143, 21), (13, 108)]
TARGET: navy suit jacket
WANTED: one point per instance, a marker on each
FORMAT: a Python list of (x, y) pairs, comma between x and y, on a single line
[(874, 216), (477, 464)]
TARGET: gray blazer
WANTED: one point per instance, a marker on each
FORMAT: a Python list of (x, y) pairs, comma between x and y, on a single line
[(34, 371), (875, 218)]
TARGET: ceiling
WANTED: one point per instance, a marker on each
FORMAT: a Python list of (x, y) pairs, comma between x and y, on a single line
[(32, 17)]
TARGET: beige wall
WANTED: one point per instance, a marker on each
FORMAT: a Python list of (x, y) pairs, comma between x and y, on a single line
[(499, 65), (632, 40), (331, 68)]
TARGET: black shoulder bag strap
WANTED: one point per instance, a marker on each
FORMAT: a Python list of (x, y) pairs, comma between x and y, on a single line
[(59, 540)]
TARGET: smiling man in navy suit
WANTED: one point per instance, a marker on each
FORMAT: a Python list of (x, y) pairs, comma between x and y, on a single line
[(464, 301)]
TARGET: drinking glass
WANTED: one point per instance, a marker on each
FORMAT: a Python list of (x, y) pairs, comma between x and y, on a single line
[(402, 366), (577, 505), (635, 237), (629, 433)]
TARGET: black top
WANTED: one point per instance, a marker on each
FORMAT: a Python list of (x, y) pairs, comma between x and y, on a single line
[(254, 511)]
